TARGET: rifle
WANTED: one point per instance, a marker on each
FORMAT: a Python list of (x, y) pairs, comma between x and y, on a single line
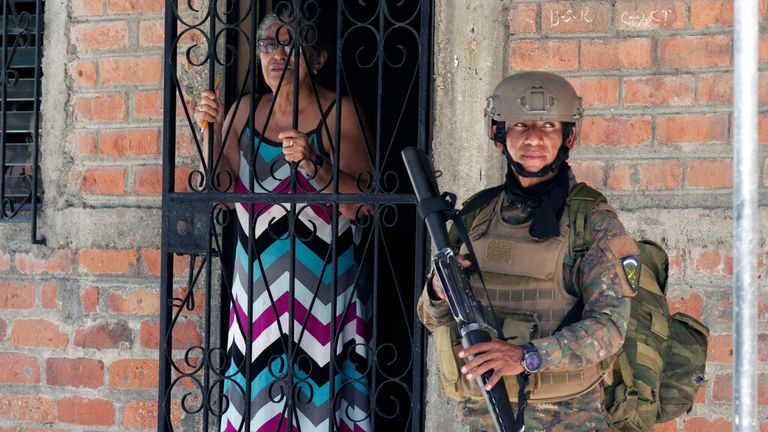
[(465, 308)]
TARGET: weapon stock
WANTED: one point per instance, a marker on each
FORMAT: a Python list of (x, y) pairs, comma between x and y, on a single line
[(465, 308)]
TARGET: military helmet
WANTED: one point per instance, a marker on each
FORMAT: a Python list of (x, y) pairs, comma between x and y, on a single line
[(533, 96)]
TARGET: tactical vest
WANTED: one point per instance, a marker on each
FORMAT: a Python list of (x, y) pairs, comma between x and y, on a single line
[(525, 283)]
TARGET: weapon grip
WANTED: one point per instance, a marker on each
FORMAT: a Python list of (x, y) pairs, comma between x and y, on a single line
[(497, 399)]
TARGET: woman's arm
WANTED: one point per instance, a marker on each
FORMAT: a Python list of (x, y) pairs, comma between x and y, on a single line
[(355, 169)]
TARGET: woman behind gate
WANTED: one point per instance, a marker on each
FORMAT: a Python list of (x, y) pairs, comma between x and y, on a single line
[(290, 380)]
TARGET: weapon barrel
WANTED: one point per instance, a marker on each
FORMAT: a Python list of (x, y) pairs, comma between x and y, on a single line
[(425, 188)]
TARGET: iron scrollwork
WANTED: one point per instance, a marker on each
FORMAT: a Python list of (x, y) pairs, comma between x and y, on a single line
[(226, 220)]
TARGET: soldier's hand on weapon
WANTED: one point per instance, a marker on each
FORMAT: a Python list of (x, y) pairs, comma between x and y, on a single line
[(503, 357), (437, 290)]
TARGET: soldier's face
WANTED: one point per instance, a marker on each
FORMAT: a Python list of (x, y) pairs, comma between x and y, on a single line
[(534, 144)]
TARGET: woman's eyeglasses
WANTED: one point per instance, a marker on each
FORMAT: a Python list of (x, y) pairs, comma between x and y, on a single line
[(268, 45)]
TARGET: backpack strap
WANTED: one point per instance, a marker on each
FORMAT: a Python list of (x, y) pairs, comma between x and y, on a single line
[(581, 202)]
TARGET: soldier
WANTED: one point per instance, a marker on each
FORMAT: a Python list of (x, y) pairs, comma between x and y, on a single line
[(563, 299)]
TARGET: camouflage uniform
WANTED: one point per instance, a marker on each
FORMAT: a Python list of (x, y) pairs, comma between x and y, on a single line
[(597, 336)]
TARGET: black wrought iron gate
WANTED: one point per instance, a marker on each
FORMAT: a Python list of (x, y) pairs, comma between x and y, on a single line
[(289, 282)]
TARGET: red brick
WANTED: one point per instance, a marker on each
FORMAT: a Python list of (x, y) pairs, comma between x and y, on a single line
[(722, 388), (42, 429), (185, 334), (152, 33), (139, 7), (616, 131), (589, 172), (100, 107), (621, 54), (134, 374), (148, 104), (670, 426), (675, 260), (142, 414), (151, 259), (103, 181), (89, 298), (17, 294), (19, 368), (711, 262), (715, 88), (74, 372), (90, 37), (691, 128), (141, 301), (50, 295), (85, 141), (148, 180), (763, 49), (700, 424), (659, 90), (107, 260), (709, 174), (543, 54), (619, 176), (130, 142), (87, 7), (522, 18), (3, 328), (692, 304), (5, 262), (762, 129), (130, 71), (83, 73), (573, 17), (695, 51), (38, 332), (89, 412), (596, 92), (185, 145), (720, 348), (60, 261), (660, 175), (26, 408), (104, 335), (708, 13), (638, 15)]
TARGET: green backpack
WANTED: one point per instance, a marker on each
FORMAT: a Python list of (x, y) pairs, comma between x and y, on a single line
[(662, 363)]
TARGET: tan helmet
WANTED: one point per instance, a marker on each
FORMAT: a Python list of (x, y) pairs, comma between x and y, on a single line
[(533, 96)]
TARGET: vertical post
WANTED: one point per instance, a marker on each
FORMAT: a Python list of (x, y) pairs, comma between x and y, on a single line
[(419, 333), (166, 266), (4, 102), (745, 45), (36, 128)]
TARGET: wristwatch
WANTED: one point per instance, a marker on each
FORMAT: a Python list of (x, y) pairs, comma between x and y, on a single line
[(531, 358)]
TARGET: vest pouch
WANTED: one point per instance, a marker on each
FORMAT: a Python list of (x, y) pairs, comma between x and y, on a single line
[(684, 366), (448, 347), (624, 412), (520, 326)]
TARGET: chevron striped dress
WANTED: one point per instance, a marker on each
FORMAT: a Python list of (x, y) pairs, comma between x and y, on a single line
[(273, 355)]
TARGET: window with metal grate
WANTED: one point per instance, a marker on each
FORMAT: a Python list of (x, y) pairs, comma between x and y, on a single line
[(22, 38)]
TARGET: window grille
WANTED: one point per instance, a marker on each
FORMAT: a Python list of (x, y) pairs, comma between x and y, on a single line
[(22, 39)]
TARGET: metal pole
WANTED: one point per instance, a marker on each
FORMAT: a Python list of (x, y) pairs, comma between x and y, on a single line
[(745, 104)]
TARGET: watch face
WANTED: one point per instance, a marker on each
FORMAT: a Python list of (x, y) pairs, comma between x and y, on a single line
[(532, 362)]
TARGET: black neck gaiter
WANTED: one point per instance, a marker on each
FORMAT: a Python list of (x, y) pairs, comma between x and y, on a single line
[(547, 199)]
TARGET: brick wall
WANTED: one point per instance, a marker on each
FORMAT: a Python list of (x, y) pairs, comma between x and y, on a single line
[(79, 331), (656, 80), (79, 316)]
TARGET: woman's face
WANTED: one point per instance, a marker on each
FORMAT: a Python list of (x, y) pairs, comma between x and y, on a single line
[(274, 49)]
